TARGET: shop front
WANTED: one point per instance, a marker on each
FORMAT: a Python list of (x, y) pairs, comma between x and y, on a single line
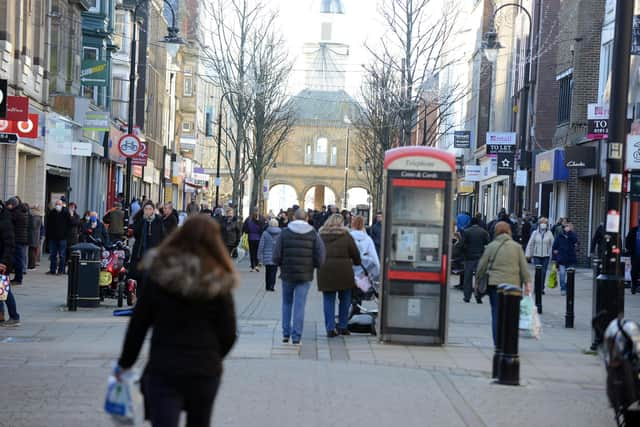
[(551, 177)]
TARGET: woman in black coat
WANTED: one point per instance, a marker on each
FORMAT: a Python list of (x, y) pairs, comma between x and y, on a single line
[(189, 305), (149, 232)]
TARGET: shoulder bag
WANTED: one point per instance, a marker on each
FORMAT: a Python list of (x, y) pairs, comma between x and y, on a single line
[(482, 283)]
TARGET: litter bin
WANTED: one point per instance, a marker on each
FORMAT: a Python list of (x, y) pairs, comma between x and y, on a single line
[(88, 274)]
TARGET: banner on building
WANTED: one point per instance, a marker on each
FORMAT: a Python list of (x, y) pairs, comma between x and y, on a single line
[(580, 157), (598, 121), (505, 164), (94, 73), (500, 149), (97, 121), (462, 139), (501, 138), (473, 173), (81, 149), (17, 108)]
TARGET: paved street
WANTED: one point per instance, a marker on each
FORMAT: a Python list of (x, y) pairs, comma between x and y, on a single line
[(56, 363)]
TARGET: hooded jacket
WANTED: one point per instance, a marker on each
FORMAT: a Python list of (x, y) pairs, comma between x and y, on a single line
[(336, 274), (298, 251), (7, 239), (267, 243), (368, 254), (192, 315)]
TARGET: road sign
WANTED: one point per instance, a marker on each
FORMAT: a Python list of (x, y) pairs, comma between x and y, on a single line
[(3, 98), (140, 158), (129, 145)]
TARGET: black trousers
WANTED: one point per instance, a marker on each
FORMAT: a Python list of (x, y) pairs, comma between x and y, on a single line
[(271, 274), (635, 271), (167, 396), (253, 251)]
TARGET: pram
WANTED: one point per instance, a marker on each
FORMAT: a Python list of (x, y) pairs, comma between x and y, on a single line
[(362, 320)]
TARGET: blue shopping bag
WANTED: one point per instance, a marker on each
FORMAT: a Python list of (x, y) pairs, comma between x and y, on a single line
[(119, 400)]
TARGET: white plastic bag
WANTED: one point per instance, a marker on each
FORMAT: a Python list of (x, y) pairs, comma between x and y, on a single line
[(529, 322), (121, 400)]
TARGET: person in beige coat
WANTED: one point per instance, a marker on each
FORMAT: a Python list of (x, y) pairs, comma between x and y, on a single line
[(540, 246), (504, 261)]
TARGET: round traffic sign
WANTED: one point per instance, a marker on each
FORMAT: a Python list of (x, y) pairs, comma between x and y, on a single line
[(129, 145)]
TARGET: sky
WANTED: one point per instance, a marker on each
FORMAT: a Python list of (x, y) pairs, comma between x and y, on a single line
[(299, 20)]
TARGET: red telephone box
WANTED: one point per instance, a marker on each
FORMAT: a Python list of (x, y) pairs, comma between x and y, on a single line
[(419, 188)]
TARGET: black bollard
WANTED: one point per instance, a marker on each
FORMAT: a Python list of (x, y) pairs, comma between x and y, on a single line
[(538, 286), (596, 264), (72, 282), (571, 290), (509, 363), (499, 323)]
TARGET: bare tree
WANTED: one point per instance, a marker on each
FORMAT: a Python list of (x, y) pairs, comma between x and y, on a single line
[(271, 115), (414, 46), (377, 125), (226, 50)]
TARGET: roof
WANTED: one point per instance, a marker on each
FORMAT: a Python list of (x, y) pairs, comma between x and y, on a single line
[(331, 106)]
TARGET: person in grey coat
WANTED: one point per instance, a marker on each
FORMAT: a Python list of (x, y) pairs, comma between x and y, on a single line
[(265, 253)]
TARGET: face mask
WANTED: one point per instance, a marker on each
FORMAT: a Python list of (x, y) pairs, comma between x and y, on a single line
[(94, 219), (543, 227), (71, 211), (59, 208), (87, 218)]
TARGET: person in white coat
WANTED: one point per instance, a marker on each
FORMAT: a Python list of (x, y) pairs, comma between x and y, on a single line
[(367, 249), (540, 246)]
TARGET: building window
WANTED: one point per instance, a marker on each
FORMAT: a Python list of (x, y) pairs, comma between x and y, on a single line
[(605, 68), (320, 157), (188, 86), (334, 155), (118, 30), (187, 126), (564, 98), (94, 6), (331, 6), (307, 154), (90, 91)]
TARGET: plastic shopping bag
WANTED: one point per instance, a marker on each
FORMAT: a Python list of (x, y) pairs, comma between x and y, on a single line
[(244, 242), (529, 323), (5, 287), (552, 281), (120, 401)]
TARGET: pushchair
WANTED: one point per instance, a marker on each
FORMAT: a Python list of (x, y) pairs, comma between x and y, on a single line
[(362, 320)]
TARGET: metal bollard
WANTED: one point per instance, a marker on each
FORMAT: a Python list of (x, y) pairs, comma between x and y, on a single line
[(596, 264), (509, 363), (72, 282), (538, 286), (571, 290), (497, 353)]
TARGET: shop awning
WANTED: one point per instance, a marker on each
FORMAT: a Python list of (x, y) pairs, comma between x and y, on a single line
[(550, 166)]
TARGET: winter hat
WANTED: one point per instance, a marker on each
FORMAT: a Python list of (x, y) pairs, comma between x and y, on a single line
[(462, 221)]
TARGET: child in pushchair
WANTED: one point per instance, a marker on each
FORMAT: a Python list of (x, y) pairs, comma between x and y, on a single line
[(361, 319)]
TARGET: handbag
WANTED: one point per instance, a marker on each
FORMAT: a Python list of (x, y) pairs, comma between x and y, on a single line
[(482, 283), (5, 287), (552, 281)]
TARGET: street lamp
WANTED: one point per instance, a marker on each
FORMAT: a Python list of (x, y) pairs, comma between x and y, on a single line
[(491, 46), (346, 162), (173, 42)]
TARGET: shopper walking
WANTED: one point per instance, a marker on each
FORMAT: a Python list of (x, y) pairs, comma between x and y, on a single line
[(20, 219), (187, 301), (473, 241), (7, 248), (298, 252), (265, 253), (148, 232), (169, 218), (504, 262), (336, 277), (231, 232), (57, 230), (540, 246), (564, 253), (253, 227)]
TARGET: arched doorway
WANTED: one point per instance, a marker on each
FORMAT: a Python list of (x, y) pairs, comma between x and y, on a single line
[(318, 196), (357, 196), (281, 196)]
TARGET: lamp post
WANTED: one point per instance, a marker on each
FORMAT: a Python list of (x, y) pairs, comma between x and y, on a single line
[(490, 46), (173, 42), (346, 163), (229, 92)]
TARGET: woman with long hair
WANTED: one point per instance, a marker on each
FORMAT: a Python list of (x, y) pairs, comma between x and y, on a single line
[(336, 277), (187, 300)]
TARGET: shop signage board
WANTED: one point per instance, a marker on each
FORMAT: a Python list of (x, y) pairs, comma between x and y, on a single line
[(81, 149), (505, 164), (598, 121), (632, 159), (97, 121), (501, 138), (140, 158), (580, 157), (17, 108), (462, 139), (94, 73), (500, 149), (473, 173)]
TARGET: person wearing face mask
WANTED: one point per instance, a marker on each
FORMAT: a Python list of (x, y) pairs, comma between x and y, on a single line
[(148, 230), (76, 227), (95, 229), (540, 245), (564, 253), (58, 228)]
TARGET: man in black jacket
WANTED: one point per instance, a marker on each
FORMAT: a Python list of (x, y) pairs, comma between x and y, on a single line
[(169, 218), (298, 252), (376, 232), (7, 247), (20, 218), (57, 229), (474, 239)]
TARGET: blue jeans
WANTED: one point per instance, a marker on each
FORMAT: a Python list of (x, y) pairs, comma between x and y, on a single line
[(57, 249), (562, 272), (492, 291), (544, 262), (294, 299), (11, 306), (18, 262), (329, 303)]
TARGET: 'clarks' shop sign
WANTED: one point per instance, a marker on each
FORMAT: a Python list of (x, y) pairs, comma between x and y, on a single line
[(580, 157)]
